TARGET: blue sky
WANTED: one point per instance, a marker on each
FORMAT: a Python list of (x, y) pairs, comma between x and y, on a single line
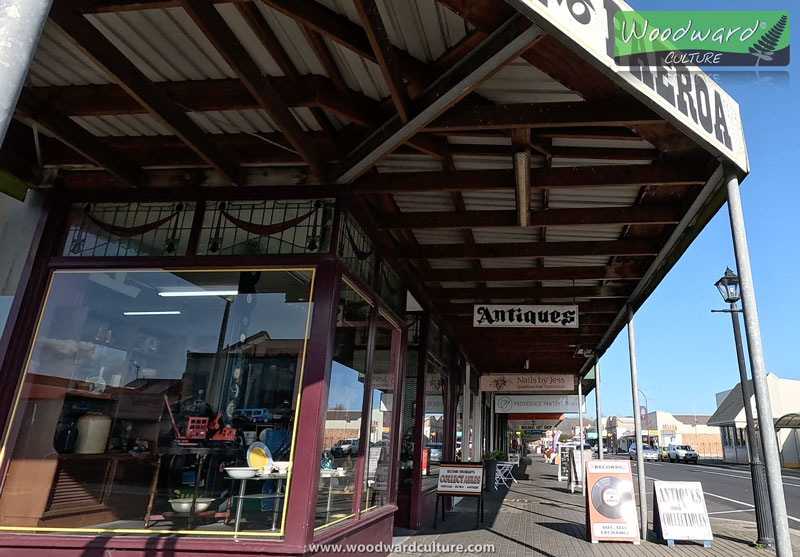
[(685, 353)]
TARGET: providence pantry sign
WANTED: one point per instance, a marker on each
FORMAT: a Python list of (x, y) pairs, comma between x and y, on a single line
[(514, 315)]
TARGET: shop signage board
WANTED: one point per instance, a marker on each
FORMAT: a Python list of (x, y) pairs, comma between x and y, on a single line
[(509, 404), (563, 462), (516, 315), (576, 465), (528, 382), (610, 504), (462, 479), (680, 513), (686, 97)]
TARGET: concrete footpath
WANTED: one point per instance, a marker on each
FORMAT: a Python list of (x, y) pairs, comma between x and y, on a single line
[(538, 516)]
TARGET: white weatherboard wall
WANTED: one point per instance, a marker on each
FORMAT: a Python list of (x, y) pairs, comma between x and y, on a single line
[(17, 222)]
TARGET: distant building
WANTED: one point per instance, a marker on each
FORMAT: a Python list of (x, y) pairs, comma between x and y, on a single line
[(661, 428), (784, 395)]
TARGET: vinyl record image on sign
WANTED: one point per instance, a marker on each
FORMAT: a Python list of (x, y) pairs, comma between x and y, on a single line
[(610, 497)]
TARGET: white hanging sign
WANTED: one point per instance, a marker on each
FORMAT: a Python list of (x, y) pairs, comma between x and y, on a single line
[(516, 315), (511, 404)]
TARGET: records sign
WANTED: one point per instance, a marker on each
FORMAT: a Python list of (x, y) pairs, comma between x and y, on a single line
[(680, 511), (460, 478), (610, 504), (514, 315)]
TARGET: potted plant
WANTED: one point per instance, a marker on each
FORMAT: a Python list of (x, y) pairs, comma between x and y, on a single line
[(490, 459)]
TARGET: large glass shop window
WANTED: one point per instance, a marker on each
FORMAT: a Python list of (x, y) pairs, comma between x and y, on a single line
[(343, 418), (376, 489), (160, 402), (434, 425)]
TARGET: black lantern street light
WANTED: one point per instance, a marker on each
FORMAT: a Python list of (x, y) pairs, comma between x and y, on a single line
[(728, 287)]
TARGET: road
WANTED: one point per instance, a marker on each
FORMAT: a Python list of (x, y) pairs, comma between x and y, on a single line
[(728, 488)]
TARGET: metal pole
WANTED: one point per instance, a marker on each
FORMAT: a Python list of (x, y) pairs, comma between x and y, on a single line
[(21, 24), (637, 427), (580, 437), (772, 459), (757, 476), (599, 426)]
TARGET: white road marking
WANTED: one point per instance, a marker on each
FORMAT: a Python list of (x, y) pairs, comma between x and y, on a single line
[(743, 503), (747, 477), (729, 512)]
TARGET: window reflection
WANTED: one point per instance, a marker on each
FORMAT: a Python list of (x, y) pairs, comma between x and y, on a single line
[(376, 490), (433, 425), (143, 387), (343, 423)]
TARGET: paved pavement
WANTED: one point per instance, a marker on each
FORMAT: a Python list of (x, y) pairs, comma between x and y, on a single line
[(539, 517)]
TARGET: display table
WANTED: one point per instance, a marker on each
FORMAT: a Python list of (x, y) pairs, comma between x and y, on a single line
[(330, 475), (278, 496)]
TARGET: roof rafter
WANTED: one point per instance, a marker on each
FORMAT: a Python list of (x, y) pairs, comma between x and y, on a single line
[(531, 292), (30, 107), (548, 217), (627, 271), (103, 52), (530, 249), (206, 16)]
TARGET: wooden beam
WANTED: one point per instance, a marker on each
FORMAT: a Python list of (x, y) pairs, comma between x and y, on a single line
[(103, 52), (497, 50), (30, 107), (529, 249), (664, 173), (535, 293), (542, 115), (549, 217), (168, 151), (626, 271), (206, 16), (384, 54)]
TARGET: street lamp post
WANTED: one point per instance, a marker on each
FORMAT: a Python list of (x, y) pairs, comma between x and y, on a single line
[(728, 286)]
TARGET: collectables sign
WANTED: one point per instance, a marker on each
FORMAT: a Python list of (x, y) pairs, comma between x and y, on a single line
[(610, 503), (528, 382), (680, 511), (460, 478), (515, 315)]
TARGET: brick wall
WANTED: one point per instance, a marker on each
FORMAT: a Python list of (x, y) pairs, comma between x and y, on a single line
[(706, 444), (334, 435)]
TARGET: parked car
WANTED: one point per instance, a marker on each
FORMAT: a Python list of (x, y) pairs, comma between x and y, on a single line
[(648, 452), (434, 451), (345, 447), (681, 453)]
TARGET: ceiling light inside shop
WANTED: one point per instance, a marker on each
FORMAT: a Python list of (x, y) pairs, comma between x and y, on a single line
[(134, 313), (181, 293)]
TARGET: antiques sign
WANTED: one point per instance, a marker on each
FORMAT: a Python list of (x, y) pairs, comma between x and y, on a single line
[(510, 404), (514, 315), (528, 382), (460, 478), (680, 511), (610, 504)]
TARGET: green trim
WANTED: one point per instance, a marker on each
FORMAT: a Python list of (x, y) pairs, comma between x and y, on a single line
[(12, 186)]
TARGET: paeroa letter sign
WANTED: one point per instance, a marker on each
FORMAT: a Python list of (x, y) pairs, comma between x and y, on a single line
[(686, 96), (515, 315)]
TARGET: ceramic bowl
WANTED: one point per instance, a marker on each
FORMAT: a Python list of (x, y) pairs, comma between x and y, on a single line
[(185, 505), (241, 473)]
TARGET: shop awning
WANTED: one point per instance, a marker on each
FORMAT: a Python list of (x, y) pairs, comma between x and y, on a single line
[(490, 151)]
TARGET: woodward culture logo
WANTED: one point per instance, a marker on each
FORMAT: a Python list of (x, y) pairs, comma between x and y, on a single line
[(654, 38)]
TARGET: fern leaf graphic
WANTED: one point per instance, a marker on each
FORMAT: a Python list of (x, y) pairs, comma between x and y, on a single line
[(766, 45)]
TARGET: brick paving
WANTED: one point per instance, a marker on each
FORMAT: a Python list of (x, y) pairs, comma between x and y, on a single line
[(538, 516)]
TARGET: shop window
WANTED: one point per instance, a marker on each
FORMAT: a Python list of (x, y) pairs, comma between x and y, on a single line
[(343, 417), (266, 227), (377, 489), (413, 320), (434, 424), (356, 250), (128, 229), (392, 291), (142, 388)]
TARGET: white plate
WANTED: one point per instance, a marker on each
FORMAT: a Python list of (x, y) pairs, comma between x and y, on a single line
[(241, 473)]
